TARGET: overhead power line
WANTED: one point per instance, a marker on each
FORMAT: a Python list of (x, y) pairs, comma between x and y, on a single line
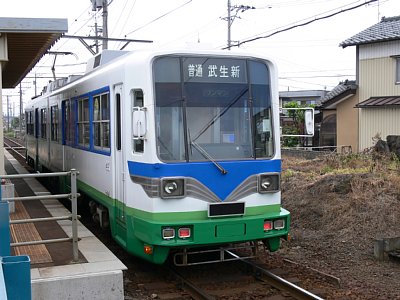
[(318, 76), (303, 24), (163, 15)]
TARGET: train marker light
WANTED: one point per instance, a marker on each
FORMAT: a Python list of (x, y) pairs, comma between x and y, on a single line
[(268, 183), (148, 249), (268, 225), (168, 233), (184, 233), (172, 188), (279, 224)]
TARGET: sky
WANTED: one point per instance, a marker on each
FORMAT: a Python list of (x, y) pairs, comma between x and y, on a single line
[(308, 57)]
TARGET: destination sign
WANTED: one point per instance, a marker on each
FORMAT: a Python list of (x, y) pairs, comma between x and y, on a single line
[(222, 70)]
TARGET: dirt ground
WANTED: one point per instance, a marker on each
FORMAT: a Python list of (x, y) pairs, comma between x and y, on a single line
[(340, 204)]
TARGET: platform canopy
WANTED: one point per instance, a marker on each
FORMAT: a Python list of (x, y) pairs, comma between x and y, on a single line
[(23, 42), (26, 40)]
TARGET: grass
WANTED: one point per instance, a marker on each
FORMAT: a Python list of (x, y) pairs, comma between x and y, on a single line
[(351, 195)]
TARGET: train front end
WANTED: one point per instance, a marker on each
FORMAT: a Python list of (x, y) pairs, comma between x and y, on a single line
[(215, 175)]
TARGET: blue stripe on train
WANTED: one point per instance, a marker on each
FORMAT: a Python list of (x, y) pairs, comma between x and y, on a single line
[(207, 173)]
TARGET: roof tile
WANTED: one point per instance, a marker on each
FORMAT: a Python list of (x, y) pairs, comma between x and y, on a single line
[(340, 89), (380, 102), (386, 30)]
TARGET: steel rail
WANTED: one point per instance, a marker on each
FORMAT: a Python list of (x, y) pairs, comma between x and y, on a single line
[(13, 148), (280, 283), (13, 141), (195, 292)]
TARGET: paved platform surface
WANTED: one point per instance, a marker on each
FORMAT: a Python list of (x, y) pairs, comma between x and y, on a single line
[(54, 275)]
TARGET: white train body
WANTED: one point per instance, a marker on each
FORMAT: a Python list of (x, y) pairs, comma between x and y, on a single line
[(109, 126)]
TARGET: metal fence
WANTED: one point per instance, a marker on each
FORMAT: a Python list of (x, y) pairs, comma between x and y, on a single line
[(73, 216)]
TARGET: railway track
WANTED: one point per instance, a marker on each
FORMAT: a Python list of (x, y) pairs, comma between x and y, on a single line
[(264, 278), (244, 279), (14, 146), (240, 279)]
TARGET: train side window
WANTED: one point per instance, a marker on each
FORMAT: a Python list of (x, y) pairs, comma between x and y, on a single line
[(65, 121), (43, 123), (29, 123), (36, 123), (83, 123), (138, 101), (54, 122), (101, 122), (118, 121)]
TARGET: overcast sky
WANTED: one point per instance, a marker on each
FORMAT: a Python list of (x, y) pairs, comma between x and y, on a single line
[(308, 57)]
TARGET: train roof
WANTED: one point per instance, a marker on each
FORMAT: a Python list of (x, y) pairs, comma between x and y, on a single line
[(107, 56), (103, 58)]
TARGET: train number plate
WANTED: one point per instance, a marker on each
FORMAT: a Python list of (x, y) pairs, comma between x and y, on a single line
[(226, 209)]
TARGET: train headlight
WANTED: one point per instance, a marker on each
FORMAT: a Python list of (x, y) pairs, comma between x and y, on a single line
[(279, 224), (268, 183), (168, 233), (172, 188)]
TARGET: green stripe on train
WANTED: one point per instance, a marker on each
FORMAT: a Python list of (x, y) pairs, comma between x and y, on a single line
[(139, 228), (111, 203)]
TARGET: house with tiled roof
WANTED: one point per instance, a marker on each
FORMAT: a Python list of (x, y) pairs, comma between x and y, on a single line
[(339, 126), (370, 106), (302, 97)]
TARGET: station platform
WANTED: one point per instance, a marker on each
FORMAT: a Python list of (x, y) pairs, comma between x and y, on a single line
[(54, 275)]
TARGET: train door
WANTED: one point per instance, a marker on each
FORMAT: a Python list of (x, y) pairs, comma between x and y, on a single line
[(37, 124), (66, 133), (119, 160)]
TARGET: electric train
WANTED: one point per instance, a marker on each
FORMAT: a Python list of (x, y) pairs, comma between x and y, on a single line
[(178, 150)]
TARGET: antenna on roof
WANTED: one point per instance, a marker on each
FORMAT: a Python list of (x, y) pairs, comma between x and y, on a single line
[(55, 53)]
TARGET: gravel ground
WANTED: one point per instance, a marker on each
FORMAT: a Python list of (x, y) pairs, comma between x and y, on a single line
[(339, 206)]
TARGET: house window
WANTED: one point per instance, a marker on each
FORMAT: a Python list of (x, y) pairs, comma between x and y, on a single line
[(397, 70), (43, 123), (54, 123), (83, 123), (101, 122)]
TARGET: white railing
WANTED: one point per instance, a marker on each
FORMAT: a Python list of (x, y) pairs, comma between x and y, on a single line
[(73, 216)]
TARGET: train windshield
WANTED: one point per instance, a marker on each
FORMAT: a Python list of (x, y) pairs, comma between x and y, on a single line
[(212, 109)]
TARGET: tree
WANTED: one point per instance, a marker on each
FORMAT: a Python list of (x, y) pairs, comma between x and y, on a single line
[(295, 125), (15, 123)]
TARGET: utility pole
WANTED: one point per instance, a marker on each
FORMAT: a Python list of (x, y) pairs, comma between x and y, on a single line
[(229, 24), (96, 32), (8, 113), (230, 18), (35, 84), (20, 110), (105, 25), (97, 5)]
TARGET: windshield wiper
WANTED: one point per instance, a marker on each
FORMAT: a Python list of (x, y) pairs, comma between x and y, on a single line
[(216, 117), (208, 156)]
